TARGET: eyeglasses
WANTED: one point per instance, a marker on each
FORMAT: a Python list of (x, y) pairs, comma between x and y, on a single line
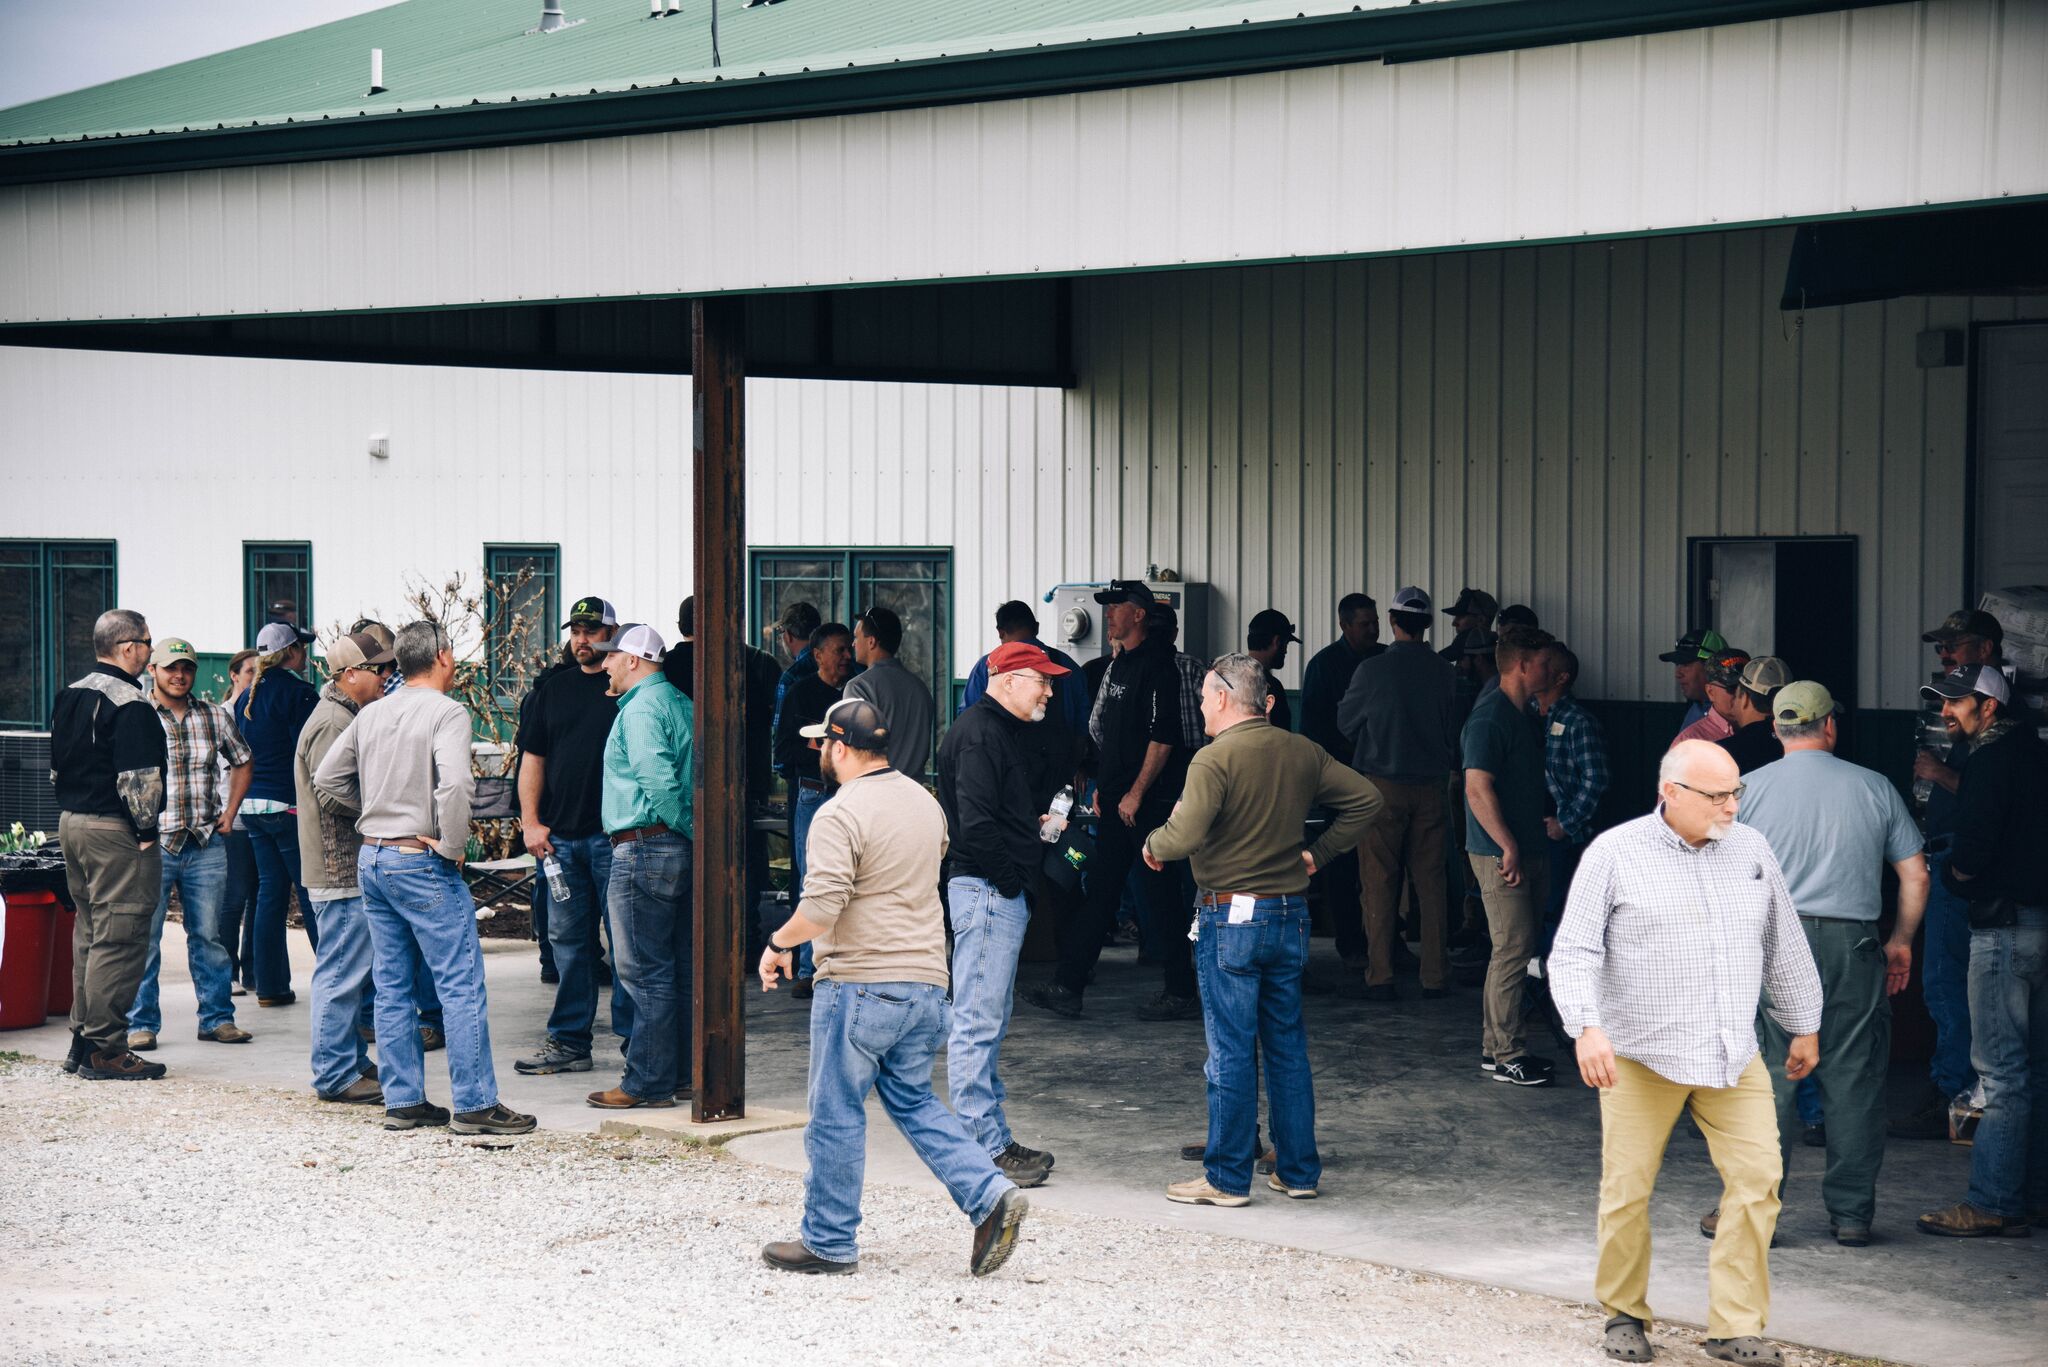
[(136, 641), (1035, 680), (1715, 798)]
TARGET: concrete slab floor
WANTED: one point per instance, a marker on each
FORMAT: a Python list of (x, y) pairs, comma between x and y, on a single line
[(1429, 1164)]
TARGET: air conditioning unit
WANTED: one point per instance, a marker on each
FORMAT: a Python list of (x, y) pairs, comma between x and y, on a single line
[(26, 793)]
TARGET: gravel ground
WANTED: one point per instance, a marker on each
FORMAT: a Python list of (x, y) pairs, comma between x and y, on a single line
[(188, 1222)]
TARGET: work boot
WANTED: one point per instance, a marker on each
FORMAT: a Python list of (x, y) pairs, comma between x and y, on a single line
[(1196, 1191), (618, 1099), (1038, 1156), (1025, 1172), (794, 1257), (431, 1038), (554, 1057), (996, 1237), (419, 1115), (1965, 1221), (81, 1049), (124, 1065), (142, 1041), (281, 999), (226, 1033), (1056, 999), (497, 1119), (364, 1091), (1167, 1007)]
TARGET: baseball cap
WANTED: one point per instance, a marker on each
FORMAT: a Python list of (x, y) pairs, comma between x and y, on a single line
[(1519, 615), (174, 650), (357, 650), (592, 612), (1126, 591), (1802, 703), (1477, 601), (278, 636), (1966, 622), (377, 632), (1724, 668), (637, 639), (1271, 622), (1478, 641), (851, 721), (1987, 680), (1015, 655), (1695, 645), (1411, 599), (1765, 673)]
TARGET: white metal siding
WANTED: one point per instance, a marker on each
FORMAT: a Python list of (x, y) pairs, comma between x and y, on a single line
[(1940, 101)]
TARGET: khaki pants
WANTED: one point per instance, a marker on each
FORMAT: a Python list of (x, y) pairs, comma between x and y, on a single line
[(1741, 1126), (1405, 841), (115, 886), (1511, 917)]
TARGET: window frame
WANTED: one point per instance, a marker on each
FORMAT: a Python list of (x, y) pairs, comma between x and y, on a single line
[(255, 610), (508, 691), (45, 634)]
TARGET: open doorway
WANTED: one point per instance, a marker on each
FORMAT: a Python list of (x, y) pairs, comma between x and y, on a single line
[(1792, 597)]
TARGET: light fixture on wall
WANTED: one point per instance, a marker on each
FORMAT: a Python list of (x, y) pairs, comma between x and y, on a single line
[(380, 445)]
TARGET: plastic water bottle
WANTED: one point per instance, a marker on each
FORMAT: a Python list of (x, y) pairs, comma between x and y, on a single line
[(1062, 803), (551, 869)]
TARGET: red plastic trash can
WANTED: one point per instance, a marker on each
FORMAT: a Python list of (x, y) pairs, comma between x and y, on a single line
[(63, 922), (25, 959)]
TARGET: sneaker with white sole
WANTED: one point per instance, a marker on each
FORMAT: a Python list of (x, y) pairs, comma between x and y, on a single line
[(1291, 1193), (554, 1057)]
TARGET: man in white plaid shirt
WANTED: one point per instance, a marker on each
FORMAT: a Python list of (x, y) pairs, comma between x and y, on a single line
[(1678, 927)]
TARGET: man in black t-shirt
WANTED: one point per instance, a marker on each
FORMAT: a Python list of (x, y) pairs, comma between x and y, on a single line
[(562, 734), (805, 703)]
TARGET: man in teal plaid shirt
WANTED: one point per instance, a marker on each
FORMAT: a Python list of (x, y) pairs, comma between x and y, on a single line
[(1575, 770)]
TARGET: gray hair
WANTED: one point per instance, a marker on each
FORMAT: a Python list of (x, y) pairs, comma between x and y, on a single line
[(418, 646), (1670, 768), (115, 626), (1804, 730), (1242, 679)]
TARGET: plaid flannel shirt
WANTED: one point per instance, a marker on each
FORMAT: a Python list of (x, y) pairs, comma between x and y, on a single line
[(1574, 766), (193, 744), (1192, 672)]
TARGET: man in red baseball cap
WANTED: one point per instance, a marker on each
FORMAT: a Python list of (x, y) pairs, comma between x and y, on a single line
[(995, 783)]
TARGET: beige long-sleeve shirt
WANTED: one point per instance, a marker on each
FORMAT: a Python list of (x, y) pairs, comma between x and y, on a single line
[(871, 879), (404, 764)]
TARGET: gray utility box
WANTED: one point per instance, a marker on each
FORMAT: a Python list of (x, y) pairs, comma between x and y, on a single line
[(1074, 623)]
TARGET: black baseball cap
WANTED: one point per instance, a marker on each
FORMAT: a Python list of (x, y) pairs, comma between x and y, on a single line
[(851, 721), (592, 612), (1477, 601), (1273, 623), (1126, 591), (1700, 643), (1966, 622)]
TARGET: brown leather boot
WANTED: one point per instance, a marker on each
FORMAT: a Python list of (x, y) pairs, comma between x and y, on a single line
[(1965, 1221)]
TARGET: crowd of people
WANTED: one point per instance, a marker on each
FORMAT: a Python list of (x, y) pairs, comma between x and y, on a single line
[(1719, 953)]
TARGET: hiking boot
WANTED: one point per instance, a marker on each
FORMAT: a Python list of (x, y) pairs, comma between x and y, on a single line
[(81, 1049), (554, 1057), (795, 1257), (225, 1033), (1710, 1225), (499, 1119), (125, 1065), (1167, 1007), (1056, 999), (1963, 1221), (432, 1038), (1025, 1172), (1291, 1193), (996, 1237), (1196, 1191), (364, 1091), (419, 1115), (142, 1041), (617, 1099), (1038, 1156), (1524, 1070)]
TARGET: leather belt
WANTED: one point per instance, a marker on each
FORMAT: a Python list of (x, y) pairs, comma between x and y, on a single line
[(407, 843), (816, 785), (1222, 899), (638, 833)]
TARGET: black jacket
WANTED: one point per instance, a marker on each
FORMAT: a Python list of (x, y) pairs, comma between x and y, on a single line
[(2001, 824), (107, 750), (806, 704), (757, 701), (988, 786)]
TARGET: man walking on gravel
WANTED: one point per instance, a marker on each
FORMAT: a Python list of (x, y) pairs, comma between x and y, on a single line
[(404, 764), (871, 911)]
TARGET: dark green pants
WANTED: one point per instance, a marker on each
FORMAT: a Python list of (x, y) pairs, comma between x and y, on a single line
[(1855, 1050)]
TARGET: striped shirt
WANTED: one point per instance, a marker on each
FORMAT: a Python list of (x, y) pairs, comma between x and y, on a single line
[(193, 745), (1670, 950)]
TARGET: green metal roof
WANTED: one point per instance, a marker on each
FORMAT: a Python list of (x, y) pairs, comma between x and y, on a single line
[(456, 52)]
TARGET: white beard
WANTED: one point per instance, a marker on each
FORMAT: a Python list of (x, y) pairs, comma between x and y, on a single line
[(1038, 712), (1719, 830)]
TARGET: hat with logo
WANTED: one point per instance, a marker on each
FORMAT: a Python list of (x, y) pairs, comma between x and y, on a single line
[(1765, 675), (637, 639), (174, 650), (1012, 656), (851, 721), (277, 636), (592, 612), (1477, 602), (1802, 703), (1966, 622), (357, 650), (1410, 599), (1697, 644), (1126, 591), (1272, 624), (1724, 668), (1984, 680)]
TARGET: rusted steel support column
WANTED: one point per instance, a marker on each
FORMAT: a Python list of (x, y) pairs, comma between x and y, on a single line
[(719, 544)]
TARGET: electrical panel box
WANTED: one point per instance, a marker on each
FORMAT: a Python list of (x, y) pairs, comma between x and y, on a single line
[(1075, 623)]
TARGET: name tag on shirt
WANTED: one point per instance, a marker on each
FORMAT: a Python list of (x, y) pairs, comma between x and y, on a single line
[(1241, 908), (1557, 728)]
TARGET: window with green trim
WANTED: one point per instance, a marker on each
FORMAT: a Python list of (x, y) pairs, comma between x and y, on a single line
[(525, 612), (59, 589), (277, 585), (916, 583)]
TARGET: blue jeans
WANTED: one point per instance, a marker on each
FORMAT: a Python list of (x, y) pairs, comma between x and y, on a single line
[(200, 874), (988, 933), (1251, 1005), (341, 989), (653, 951), (419, 900), (238, 907), (587, 865), (274, 839), (881, 1037), (805, 808), (1945, 982), (2009, 1012)]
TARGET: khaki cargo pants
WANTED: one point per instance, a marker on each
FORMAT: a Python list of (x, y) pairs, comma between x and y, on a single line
[(115, 885)]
